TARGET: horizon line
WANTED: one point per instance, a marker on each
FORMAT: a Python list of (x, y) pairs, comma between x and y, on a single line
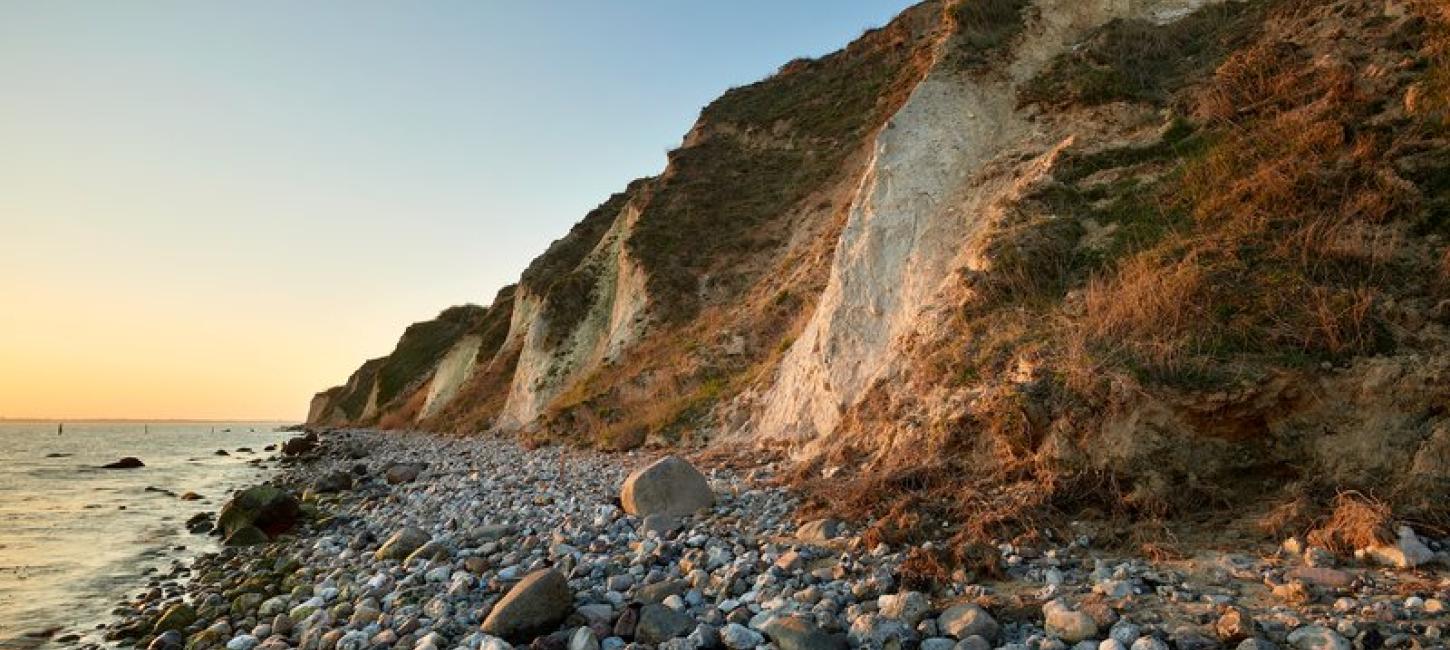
[(159, 420)]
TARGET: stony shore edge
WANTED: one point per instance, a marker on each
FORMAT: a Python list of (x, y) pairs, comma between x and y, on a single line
[(435, 543)]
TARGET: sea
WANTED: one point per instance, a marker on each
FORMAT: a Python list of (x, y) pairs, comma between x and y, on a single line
[(77, 540)]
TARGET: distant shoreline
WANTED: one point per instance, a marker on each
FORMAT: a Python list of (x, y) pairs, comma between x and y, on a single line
[(141, 420)]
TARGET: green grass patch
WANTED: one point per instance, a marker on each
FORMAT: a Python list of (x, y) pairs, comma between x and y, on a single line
[(985, 27), (1138, 60), (421, 346), (783, 138)]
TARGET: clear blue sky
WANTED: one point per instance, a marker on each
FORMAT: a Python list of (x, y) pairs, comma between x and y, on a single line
[(212, 209)]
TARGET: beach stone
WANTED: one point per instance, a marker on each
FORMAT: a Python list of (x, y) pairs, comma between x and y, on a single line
[(1314, 637), (168, 640), (199, 523), (207, 638), (962, 621), (658, 624), (1069, 625), (1125, 632), (625, 625), (659, 591), (1189, 638), (597, 613), (354, 640), (1322, 576), (738, 637), (128, 462), (402, 543), (1235, 625), (490, 533), (431, 551), (176, 617), (669, 486), (938, 643), (658, 523), (583, 638), (190, 496), (973, 643), (1407, 551), (401, 473), (273, 606), (538, 601), (1256, 644), (819, 530), (874, 631), (328, 640), (908, 607), (243, 642), (245, 604), (267, 507), (335, 481)]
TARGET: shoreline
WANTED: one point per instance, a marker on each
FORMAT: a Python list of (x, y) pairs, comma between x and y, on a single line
[(745, 573)]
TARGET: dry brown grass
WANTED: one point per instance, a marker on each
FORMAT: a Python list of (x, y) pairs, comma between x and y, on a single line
[(1355, 521), (1288, 251), (1271, 229)]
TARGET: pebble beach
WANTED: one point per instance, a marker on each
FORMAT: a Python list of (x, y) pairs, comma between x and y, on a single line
[(416, 542)]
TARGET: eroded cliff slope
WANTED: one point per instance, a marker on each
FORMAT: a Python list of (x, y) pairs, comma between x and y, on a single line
[(1005, 253)]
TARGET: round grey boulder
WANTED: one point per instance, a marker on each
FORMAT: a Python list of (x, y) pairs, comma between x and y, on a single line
[(669, 486)]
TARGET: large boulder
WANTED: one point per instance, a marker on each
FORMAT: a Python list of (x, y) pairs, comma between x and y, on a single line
[(669, 486), (129, 462), (538, 602), (402, 544), (299, 445), (268, 508)]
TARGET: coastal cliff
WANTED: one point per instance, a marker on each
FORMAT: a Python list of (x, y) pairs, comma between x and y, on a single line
[(1147, 254)]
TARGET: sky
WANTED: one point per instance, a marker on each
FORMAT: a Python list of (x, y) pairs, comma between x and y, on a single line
[(214, 210)]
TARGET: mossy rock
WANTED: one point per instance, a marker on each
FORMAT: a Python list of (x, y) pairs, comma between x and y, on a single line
[(211, 612), (269, 508), (176, 617), (246, 536), (257, 583), (301, 612), (208, 638), (246, 604)]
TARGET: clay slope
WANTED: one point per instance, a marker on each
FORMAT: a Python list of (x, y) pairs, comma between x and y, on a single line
[(1016, 256)]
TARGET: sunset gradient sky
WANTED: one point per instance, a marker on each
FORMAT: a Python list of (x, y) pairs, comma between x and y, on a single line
[(213, 210)]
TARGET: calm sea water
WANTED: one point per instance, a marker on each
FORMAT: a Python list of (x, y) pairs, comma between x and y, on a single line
[(75, 540)]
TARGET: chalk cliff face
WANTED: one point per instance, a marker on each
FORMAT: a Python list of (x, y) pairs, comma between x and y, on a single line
[(1163, 240)]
